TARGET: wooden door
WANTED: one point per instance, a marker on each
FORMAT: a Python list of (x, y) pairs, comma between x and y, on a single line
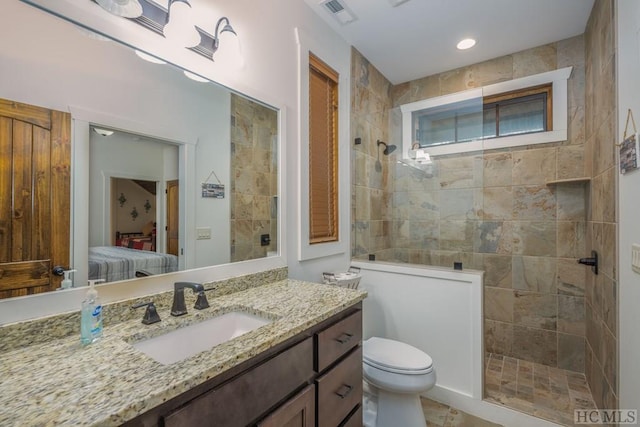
[(172, 217), (35, 171)]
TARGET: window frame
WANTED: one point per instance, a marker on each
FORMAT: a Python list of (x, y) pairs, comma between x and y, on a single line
[(559, 114), (339, 59), (319, 67)]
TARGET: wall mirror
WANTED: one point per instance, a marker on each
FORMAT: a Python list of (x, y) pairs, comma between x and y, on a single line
[(179, 172)]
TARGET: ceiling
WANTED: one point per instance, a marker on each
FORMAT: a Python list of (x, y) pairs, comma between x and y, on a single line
[(418, 38)]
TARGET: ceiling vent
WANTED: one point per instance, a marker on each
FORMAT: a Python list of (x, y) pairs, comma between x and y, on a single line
[(339, 11)]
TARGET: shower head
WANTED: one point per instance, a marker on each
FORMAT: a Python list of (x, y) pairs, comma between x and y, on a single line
[(388, 149)]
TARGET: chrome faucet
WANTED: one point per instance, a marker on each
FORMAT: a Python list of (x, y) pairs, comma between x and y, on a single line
[(179, 307)]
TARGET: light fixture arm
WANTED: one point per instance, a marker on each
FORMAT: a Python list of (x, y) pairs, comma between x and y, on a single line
[(216, 36)]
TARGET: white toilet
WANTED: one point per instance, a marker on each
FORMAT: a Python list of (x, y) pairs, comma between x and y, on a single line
[(395, 374)]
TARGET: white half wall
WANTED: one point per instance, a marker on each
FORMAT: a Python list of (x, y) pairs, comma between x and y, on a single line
[(439, 311)]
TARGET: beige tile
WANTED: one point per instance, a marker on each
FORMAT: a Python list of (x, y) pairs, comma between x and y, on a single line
[(454, 81), (570, 162), (534, 167), (571, 202), (576, 134), (534, 61), (435, 413), (458, 418), (534, 238), (462, 204), (570, 51), (489, 72), (498, 337), (571, 239), (498, 169), (456, 235), (497, 270), (571, 315), (497, 203), (464, 171), (535, 310), (424, 88), (498, 304), (536, 345), (571, 352), (494, 237), (534, 203)]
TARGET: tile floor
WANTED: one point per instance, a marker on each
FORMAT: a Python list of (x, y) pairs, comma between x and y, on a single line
[(440, 415), (538, 390)]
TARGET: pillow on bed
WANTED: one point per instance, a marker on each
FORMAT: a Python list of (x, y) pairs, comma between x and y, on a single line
[(148, 228)]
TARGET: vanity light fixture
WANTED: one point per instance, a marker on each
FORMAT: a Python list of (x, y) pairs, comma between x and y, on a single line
[(124, 8), (149, 58), (195, 77), (103, 132), (179, 28), (466, 44)]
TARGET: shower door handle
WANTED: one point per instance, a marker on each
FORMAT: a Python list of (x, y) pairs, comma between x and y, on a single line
[(593, 261)]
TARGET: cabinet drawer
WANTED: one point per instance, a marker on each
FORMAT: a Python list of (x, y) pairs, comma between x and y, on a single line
[(246, 397), (337, 340), (340, 390)]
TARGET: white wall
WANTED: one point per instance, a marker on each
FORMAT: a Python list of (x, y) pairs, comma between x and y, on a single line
[(119, 155), (628, 15)]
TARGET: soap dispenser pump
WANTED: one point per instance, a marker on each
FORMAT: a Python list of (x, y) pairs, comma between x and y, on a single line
[(67, 282), (91, 316)]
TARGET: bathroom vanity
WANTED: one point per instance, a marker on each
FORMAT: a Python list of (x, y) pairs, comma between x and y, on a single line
[(303, 368), (322, 364)]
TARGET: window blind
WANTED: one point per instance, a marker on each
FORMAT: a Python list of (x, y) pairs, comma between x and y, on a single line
[(323, 152)]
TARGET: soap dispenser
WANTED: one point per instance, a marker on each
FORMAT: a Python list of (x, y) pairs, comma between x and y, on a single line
[(67, 282), (91, 316)]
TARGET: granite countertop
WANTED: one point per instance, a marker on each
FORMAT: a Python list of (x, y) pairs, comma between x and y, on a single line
[(109, 382)]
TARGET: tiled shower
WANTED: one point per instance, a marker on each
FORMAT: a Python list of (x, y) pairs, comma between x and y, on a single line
[(503, 212)]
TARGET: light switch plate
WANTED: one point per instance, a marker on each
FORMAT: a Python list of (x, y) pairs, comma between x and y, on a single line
[(635, 257), (203, 233)]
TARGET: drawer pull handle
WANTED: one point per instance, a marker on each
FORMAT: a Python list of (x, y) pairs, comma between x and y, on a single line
[(344, 391), (344, 338)]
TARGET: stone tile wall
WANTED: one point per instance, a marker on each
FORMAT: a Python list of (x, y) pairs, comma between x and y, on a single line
[(372, 186), (600, 132), (492, 211), (254, 178)]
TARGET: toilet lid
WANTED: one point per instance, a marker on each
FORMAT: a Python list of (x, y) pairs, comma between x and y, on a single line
[(395, 356)]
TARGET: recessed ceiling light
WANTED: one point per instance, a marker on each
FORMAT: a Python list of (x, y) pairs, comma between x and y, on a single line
[(149, 58), (195, 77), (466, 44), (103, 132)]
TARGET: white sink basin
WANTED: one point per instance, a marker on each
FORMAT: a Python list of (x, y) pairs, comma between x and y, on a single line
[(182, 343)]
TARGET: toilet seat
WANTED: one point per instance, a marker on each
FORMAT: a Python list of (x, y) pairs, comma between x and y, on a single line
[(396, 357)]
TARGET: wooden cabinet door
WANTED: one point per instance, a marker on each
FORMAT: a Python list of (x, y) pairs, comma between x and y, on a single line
[(172, 217), (35, 202), (299, 411)]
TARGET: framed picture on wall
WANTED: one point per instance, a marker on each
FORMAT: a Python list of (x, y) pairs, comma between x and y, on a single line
[(215, 191), (629, 154)]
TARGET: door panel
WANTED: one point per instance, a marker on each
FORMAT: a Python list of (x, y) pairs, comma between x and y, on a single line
[(172, 217), (35, 174)]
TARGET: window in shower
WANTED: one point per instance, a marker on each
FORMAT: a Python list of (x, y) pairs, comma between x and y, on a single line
[(506, 114), (523, 111)]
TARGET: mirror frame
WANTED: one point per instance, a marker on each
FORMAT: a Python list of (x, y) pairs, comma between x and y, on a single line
[(92, 17)]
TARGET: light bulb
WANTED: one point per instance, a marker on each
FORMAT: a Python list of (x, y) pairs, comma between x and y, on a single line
[(180, 29)]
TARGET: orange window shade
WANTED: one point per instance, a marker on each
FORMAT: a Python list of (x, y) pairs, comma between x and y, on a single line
[(323, 152)]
